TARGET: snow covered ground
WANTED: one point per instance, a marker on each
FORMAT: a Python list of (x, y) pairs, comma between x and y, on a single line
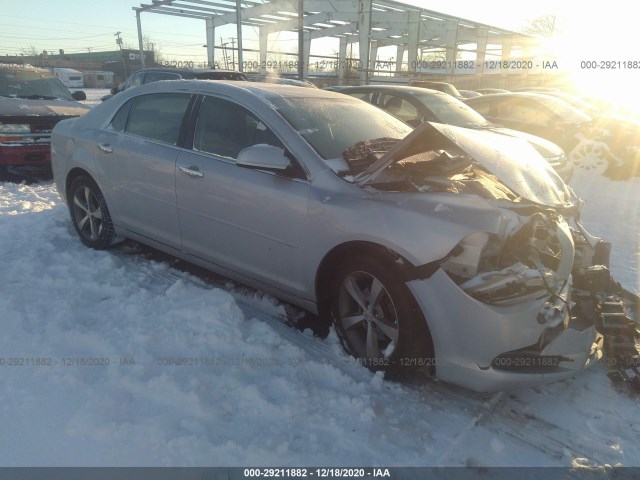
[(260, 392)]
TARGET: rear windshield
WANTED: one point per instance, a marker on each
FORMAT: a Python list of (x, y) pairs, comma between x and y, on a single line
[(450, 110), (31, 84)]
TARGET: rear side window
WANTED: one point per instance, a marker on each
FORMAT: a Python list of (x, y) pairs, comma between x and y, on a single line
[(400, 108), (158, 116), (157, 76), (524, 112), (119, 121), (483, 108), (136, 80), (366, 96)]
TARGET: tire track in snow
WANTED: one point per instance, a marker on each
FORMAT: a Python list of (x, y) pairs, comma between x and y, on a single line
[(496, 413)]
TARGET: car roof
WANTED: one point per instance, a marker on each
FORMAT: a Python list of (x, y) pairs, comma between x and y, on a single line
[(494, 96), (434, 82), (235, 87), (393, 88), (194, 70)]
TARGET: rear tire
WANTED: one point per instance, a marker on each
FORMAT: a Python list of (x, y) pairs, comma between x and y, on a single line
[(376, 317), (89, 213)]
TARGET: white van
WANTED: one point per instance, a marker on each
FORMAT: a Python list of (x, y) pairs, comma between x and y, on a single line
[(70, 77)]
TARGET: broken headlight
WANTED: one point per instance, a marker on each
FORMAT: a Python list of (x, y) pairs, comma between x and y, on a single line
[(535, 261)]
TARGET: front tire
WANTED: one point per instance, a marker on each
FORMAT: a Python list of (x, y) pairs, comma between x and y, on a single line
[(89, 214), (376, 317)]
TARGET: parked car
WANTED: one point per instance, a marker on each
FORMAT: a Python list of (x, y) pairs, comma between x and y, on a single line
[(280, 80), (487, 91), (32, 101), (537, 89), (440, 86), (415, 105), (154, 74), (469, 93), (605, 145), (438, 246)]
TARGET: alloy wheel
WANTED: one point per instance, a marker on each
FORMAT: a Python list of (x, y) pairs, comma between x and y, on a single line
[(368, 315), (87, 213)]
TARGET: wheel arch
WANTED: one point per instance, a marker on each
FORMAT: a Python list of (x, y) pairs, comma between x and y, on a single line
[(389, 257), (72, 175)]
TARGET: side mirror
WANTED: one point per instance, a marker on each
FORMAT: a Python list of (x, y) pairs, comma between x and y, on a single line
[(114, 90), (263, 157), (79, 95)]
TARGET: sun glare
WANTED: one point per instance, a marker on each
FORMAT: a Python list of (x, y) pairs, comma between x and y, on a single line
[(597, 57)]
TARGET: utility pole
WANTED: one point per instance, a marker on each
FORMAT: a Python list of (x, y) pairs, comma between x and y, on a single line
[(124, 64), (301, 58), (224, 53), (233, 51)]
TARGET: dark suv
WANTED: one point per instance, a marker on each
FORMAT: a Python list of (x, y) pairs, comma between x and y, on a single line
[(32, 101), (154, 74)]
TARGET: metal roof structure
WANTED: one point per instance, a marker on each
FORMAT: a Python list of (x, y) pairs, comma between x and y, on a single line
[(371, 23)]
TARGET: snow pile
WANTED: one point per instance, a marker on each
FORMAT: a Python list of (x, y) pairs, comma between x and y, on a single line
[(260, 393)]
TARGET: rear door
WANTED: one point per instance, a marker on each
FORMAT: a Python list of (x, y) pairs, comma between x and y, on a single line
[(137, 154)]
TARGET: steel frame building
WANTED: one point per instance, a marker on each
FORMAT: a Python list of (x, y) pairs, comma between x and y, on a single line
[(372, 24)]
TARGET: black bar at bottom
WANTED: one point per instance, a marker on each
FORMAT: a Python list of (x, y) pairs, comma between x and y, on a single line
[(300, 473)]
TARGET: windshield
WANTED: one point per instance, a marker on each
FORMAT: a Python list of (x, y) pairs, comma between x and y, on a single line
[(452, 111), (32, 84), (566, 111), (331, 125)]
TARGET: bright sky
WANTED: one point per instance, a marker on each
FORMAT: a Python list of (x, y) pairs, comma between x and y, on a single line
[(589, 31), (76, 25)]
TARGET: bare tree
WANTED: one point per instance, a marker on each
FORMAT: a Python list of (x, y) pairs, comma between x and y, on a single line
[(149, 45), (30, 51), (545, 26)]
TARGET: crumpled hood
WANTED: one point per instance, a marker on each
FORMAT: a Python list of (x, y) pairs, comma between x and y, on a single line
[(515, 162), (543, 146), (23, 107)]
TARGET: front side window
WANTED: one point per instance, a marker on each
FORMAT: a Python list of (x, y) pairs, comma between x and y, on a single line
[(224, 128), (158, 116), (400, 108), (524, 112)]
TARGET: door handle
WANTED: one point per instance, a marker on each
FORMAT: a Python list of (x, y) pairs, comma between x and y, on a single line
[(191, 171), (105, 148)]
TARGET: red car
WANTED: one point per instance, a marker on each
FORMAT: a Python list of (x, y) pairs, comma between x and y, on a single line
[(32, 101)]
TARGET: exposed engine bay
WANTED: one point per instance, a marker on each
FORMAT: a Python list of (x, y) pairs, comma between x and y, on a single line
[(545, 255)]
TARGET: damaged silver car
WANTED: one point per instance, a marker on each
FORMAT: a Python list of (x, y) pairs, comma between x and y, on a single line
[(441, 247)]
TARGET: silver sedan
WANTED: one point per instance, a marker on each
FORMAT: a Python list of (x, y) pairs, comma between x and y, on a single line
[(439, 247)]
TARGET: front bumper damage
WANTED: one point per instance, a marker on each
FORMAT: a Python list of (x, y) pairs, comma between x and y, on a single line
[(526, 323), (502, 347)]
